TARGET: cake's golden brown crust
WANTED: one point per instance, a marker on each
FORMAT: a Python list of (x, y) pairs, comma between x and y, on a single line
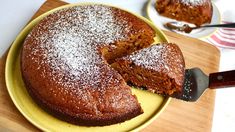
[(64, 63), (159, 68), (197, 12)]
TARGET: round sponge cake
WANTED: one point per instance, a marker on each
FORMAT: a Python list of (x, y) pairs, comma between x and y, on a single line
[(65, 63)]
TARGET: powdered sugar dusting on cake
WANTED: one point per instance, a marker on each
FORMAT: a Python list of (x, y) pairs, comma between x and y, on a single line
[(157, 57), (193, 2), (70, 45)]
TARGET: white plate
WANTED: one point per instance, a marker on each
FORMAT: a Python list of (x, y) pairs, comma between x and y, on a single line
[(198, 33)]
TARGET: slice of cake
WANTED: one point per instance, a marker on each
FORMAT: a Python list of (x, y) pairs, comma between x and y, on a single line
[(159, 68), (197, 12)]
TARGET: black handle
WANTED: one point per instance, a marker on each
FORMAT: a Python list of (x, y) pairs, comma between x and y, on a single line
[(229, 25), (222, 79)]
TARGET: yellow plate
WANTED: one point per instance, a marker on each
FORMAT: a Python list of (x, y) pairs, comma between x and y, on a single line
[(152, 104)]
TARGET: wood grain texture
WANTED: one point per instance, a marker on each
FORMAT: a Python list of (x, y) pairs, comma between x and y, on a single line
[(226, 79), (179, 116)]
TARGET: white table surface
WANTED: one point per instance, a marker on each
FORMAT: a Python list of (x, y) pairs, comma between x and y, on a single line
[(15, 14)]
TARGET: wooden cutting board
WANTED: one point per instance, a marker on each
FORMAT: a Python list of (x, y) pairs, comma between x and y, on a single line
[(179, 116)]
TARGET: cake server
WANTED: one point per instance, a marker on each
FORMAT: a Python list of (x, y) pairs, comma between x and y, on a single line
[(196, 82), (179, 26)]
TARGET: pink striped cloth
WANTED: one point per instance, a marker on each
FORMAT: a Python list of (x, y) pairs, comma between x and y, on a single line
[(223, 37)]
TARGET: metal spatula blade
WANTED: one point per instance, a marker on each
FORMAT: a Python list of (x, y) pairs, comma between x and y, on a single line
[(196, 82)]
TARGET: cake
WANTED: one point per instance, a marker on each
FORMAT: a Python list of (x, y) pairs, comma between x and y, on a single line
[(159, 68), (197, 12), (65, 63)]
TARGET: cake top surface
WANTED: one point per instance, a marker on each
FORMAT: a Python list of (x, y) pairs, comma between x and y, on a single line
[(165, 58), (155, 57), (69, 40), (194, 2)]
